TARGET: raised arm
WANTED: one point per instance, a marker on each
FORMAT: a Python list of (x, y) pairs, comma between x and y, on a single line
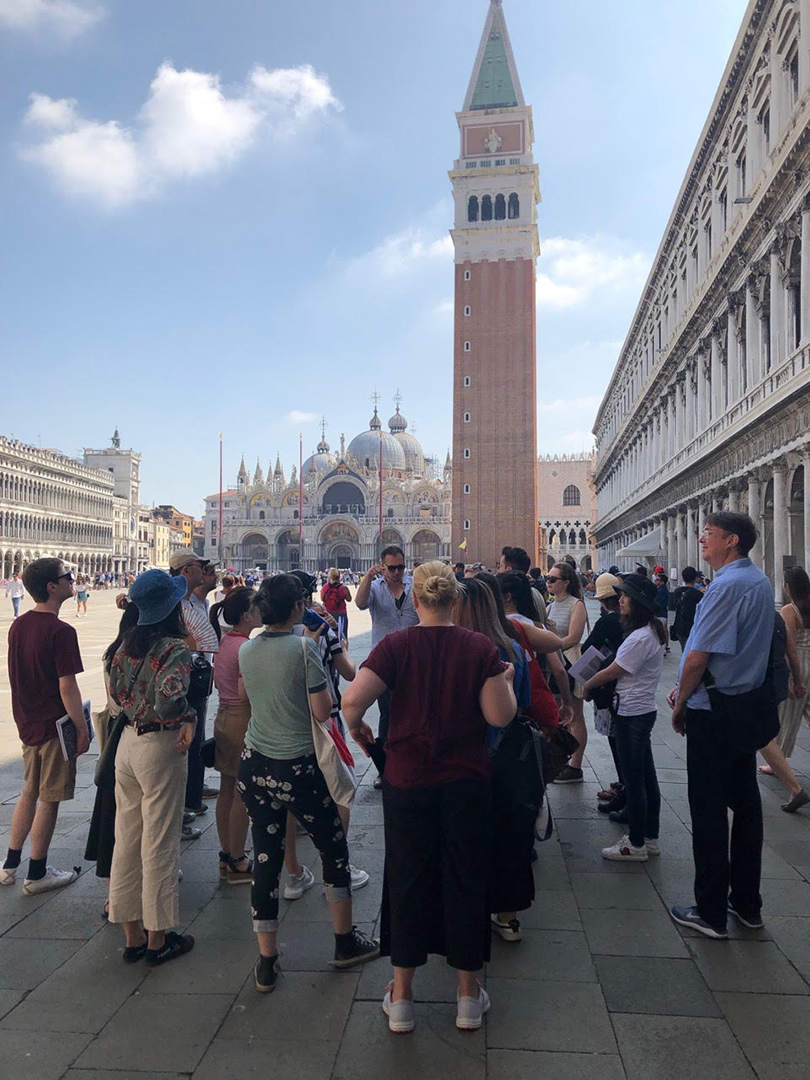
[(364, 588)]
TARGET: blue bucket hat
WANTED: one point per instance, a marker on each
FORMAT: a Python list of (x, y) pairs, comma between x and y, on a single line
[(157, 595)]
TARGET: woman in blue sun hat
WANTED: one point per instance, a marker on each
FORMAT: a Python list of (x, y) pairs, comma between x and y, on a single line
[(149, 679)]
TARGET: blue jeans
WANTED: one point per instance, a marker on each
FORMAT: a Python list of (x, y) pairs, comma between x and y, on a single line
[(196, 770), (15, 600), (638, 774)]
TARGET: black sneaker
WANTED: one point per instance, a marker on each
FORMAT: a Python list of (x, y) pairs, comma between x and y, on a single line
[(356, 948), (569, 775), (618, 802), (266, 973), (753, 922), (175, 945), (619, 817), (690, 916)]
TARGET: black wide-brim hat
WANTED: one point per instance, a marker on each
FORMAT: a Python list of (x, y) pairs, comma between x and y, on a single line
[(639, 589)]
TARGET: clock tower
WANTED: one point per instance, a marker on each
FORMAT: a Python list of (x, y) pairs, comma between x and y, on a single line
[(496, 192)]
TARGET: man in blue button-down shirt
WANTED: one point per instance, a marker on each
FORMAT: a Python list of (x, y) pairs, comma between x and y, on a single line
[(731, 638)]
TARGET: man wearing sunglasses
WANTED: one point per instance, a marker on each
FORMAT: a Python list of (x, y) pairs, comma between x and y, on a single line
[(43, 661), (387, 593)]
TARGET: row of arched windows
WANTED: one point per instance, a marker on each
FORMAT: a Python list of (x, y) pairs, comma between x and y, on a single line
[(33, 529), (556, 539), (54, 496), (497, 209)]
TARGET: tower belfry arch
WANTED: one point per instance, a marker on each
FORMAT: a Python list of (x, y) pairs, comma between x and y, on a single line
[(496, 193)]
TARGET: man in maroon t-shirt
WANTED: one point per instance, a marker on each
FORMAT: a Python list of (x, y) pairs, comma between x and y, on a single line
[(43, 661)]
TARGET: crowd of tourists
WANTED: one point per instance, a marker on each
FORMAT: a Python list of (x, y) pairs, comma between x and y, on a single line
[(481, 680)]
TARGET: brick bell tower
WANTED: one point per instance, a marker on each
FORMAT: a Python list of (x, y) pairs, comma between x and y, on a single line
[(496, 192)]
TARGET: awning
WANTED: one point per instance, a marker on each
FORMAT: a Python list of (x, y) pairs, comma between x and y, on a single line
[(648, 546)]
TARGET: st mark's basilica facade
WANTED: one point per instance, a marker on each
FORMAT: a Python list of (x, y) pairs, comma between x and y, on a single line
[(262, 526)]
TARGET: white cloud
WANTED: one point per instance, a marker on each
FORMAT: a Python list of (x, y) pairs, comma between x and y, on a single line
[(187, 127), (298, 417), (575, 271), (403, 253), (63, 17)]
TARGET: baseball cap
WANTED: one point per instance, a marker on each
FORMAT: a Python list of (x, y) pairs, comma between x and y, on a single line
[(184, 558)]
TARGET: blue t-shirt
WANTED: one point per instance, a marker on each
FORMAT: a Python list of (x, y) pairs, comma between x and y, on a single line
[(734, 623)]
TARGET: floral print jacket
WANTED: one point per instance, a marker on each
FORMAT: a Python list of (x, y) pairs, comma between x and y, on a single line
[(158, 691)]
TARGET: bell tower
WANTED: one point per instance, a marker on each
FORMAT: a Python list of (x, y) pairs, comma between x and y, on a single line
[(496, 192)]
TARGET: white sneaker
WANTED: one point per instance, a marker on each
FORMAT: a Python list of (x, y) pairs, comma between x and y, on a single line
[(359, 879), (624, 851), (399, 1013), (297, 886), (54, 879), (652, 846), (7, 876), (470, 1011)]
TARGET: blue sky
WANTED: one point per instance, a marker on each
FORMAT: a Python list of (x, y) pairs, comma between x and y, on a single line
[(234, 216)]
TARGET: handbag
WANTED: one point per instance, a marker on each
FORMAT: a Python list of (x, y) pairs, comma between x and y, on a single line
[(339, 775), (561, 745)]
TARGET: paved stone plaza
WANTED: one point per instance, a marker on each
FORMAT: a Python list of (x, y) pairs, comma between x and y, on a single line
[(604, 986)]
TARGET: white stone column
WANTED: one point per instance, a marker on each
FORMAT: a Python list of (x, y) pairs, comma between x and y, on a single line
[(804, 286), (703, 513), (780, 526), (693, 554), (753, 334), (804, 45), (755, 513), (733, 496), (671, 541), (732, 358), (717, 377), (778, 308), (806, 464), (681, 555)]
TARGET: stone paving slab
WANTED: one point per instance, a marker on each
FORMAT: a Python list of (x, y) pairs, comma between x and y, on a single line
[(532, 1065), (656, 985), (675, 1047)]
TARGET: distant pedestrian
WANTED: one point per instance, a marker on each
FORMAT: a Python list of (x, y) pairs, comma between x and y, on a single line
[(16, 590), (82, 595), (334, 596), (686, 599)]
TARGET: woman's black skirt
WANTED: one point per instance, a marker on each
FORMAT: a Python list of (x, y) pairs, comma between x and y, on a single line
[(437, 870)]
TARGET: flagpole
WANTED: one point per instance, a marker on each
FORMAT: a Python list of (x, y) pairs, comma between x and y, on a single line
[(381, 484), (219, 531), (301, 498)]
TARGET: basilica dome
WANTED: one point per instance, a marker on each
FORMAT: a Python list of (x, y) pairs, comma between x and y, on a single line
[(365, 448), (321, 461), (414, 456)]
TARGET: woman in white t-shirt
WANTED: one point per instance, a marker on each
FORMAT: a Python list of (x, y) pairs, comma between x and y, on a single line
[(637, 669)]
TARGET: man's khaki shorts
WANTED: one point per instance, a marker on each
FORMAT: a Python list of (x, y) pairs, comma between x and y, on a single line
[(47, 775)]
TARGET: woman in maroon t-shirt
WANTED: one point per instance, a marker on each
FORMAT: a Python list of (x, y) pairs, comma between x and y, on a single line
[(447, 684)]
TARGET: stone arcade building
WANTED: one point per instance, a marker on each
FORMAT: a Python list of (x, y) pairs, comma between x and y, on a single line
[(261, 525), (52, 505), (709, 404)]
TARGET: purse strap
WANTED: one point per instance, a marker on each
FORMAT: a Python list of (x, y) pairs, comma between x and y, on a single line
[(303, 641)]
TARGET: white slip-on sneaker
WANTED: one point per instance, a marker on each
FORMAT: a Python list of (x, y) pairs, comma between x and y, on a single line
[(509, 931), (470, 1011), (399, 1013), (54, 879), (7, 875), (623, 851), (297, 886), (359, 879), (652, 846)]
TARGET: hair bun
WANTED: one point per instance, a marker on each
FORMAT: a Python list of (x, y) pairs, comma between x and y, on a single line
[(435, 584)]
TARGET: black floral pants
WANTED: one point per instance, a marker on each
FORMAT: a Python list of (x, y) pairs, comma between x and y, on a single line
[(269, 788)]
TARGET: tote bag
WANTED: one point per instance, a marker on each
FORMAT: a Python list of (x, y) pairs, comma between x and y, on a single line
[(337, 772)]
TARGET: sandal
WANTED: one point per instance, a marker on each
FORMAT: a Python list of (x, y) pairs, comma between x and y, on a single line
[(235, 876), (105, 911), (224, 865)]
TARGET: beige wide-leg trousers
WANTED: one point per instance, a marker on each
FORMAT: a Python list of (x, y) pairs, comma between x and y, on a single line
[(150, 787)]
